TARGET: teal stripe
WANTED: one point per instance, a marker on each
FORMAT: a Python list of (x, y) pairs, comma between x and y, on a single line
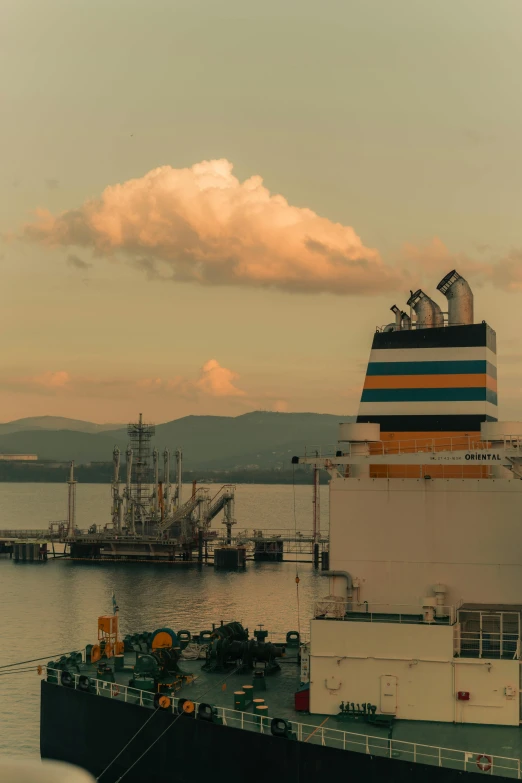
[(432, 368), (472, 394)]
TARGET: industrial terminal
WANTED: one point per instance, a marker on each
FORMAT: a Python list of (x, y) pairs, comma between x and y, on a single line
[(150, 520)]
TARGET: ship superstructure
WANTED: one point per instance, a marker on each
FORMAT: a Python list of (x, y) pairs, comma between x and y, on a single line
[(424, 613)]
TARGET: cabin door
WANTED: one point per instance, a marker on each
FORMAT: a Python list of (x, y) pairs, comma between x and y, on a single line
[(388, 694)]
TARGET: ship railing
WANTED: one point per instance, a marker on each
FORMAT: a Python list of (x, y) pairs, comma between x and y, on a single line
[(470, 644), (479, 761), (335, 608), (412, 328), (414, 446), (488, 633), (269, 533), (329, 451), (35, 533)]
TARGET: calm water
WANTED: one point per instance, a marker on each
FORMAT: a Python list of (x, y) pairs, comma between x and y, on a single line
[(49, 608)]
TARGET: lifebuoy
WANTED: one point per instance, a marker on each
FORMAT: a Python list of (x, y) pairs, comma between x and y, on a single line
[(484, 762)]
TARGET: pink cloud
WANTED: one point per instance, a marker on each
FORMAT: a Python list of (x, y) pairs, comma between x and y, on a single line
[(217, 381), (51, 380), (149, 383), (213, 381), (203, 225), (435, 258)]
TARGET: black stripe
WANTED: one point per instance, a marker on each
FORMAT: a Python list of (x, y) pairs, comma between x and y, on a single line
[(472, 336), (427, 423), (464, 367), (460, 394)]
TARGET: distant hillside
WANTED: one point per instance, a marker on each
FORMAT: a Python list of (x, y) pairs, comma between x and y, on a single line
[(54, 423), (209, 442)]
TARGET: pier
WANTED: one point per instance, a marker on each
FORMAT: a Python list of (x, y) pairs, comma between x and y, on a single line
[(281, 545), (151, 521), (25, 545)]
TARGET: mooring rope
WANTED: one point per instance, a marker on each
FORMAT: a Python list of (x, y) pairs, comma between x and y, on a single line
[(297, 580), (165, 730)]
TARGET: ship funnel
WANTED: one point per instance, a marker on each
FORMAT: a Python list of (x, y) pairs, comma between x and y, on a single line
[(397, 313), (429, 314), (460, 299), (405, 321)]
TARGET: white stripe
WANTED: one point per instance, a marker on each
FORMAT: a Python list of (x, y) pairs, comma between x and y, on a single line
[(433, 354), (448, 408)]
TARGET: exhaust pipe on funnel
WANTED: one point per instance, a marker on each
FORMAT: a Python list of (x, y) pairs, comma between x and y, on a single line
[(460, 299), (397, 313), (405, 321), (429, 315)]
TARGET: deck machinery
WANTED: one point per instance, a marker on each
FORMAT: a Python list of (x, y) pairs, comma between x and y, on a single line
[(149, 518)]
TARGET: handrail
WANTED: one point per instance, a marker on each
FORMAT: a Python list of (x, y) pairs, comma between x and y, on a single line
[(40, 533), (183, 511), (225, 488), (336, 608), (219, 501), (453, 758), (417, 446)]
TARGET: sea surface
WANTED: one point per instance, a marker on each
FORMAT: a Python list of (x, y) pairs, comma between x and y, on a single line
[(50, 608)]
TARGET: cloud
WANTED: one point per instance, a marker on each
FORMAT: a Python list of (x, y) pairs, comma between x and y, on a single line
[(507, 273), (481, 247), (213, 381), (48, 382), (202, 225), (52, 184), (280, 406), (52, 380), (217, 381), (77, 263), (435, 258)]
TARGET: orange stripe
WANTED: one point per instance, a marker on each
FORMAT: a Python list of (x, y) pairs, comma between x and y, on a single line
[(435, 471), (430, 381)]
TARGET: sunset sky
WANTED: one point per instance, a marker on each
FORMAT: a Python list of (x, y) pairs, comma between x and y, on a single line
[(208, 207)]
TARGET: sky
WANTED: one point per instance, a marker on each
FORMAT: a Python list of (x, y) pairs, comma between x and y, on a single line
[(207, 208)]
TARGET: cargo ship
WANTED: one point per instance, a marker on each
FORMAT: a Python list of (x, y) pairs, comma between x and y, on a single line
[(410, 666)]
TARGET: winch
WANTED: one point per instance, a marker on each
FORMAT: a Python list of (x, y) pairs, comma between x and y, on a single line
[(230, 646)]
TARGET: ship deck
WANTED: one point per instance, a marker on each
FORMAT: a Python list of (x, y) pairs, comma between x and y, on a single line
[(442, 744)]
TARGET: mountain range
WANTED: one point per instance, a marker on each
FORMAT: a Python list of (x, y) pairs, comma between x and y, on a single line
[(261, 438), (54, 423)]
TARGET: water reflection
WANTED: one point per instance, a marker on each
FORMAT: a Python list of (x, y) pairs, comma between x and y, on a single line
[(52, 607)]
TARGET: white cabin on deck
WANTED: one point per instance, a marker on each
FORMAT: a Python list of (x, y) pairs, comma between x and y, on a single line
[(423, 616)]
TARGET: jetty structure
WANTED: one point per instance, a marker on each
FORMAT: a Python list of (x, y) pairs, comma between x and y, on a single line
[(151, 521)]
